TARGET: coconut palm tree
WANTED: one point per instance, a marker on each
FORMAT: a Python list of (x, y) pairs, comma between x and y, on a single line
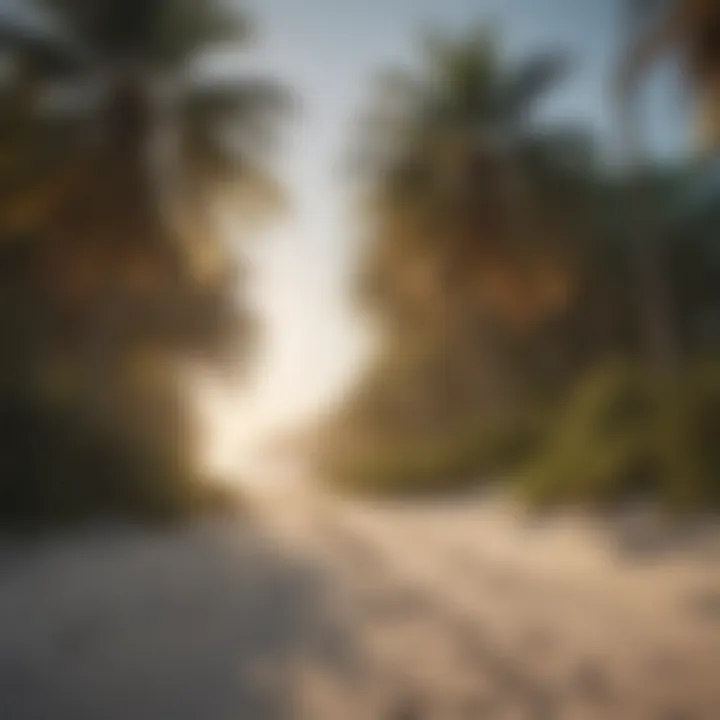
[(688, 27), (120, 146), (654, 29), (469, 220), (112, 95), (454, 167)]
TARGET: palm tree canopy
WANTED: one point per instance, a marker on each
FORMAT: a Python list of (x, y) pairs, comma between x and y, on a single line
[(151, 32), (224, 128), (144, 234), (442, 149), (463, 84)]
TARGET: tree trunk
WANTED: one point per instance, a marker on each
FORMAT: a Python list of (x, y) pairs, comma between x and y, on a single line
[(124, 215), (657, 332)]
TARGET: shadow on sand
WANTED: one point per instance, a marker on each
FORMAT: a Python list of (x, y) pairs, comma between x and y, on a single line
[(197, 623)]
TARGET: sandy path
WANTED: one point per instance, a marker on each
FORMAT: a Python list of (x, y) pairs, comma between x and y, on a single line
[(327, 610)]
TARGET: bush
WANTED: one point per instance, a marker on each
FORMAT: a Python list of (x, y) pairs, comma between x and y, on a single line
[(626, 434), (56, 468), (472, 454), (622, 434)]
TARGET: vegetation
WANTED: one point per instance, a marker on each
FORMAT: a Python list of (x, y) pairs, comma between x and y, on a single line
[(475, 454), (692, 27), (623, 436), (504, 265), (539, 316), (116, 154)]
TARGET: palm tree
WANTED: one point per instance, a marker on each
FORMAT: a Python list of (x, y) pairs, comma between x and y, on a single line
[(111, 94), (691, 27), (676, 24), (655, 29), (468, 203), (119, 147), (450, 151)]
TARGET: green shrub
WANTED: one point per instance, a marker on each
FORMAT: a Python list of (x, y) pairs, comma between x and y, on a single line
[(622, 434), (479, 451), (627, 434)]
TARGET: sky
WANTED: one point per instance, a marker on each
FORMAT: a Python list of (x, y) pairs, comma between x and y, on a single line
[(328, 51)]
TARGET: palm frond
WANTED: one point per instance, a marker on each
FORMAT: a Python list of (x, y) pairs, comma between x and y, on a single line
[(40, 37), (187, 28), (649, 42), (166, 32), (239, 99), (531, 81), (229, 127)]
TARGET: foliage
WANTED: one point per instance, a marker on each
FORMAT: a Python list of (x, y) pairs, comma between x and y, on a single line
[(57, 468), (503, 275), (116, 157), (692, 27), (625, 434), (475, 256), (466, 202), (475, 454)]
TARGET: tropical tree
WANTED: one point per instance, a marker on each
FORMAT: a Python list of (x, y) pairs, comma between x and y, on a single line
[(154, 142), (690, 28), (472, 240), (654, 301), (121, 148)]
